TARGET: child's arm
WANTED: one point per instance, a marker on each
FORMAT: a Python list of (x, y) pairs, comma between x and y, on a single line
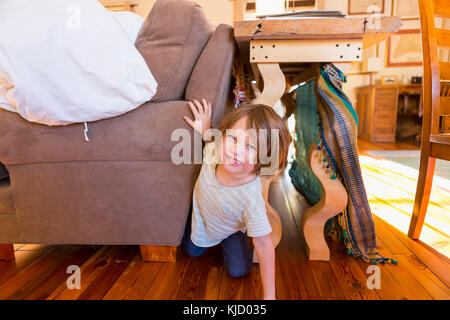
[(202, 116), (266, 256)]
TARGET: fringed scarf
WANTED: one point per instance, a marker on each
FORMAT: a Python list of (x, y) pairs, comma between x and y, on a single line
[(337, 138)]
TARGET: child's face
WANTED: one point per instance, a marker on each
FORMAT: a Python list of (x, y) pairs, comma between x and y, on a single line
[(239, 149)]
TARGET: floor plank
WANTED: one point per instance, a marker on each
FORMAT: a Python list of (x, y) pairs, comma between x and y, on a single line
[(135, 281), (104, 281), (169, 280), (193, 285)]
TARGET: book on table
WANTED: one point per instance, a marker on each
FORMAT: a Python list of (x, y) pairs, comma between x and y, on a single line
[(304, 14)]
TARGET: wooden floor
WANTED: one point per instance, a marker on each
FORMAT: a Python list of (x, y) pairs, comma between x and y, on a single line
[(391, 188), (117, 272)]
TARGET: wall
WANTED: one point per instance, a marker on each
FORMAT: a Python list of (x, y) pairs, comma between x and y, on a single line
[(355, 80), (218, 11)]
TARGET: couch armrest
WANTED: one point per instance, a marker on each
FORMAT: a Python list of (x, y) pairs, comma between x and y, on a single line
[(141, 134), (211, 77)]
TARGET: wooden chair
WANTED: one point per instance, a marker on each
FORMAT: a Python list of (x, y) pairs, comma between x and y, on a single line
[(436, 106)]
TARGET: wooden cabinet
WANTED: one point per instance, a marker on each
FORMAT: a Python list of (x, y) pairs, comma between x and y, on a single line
[(377, 112)]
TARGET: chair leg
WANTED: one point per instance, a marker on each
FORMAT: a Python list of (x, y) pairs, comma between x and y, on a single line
[(157, 253), (423, 191), (6, 252)]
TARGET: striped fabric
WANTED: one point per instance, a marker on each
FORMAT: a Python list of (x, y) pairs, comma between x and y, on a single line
[(338, 134), (219, 211)]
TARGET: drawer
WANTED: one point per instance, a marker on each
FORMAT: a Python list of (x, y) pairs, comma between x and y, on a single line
[(390, 107), (384, 130), (384, 117)]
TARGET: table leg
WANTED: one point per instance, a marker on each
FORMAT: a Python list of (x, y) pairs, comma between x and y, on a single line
[(274, 83), (272, 214), (333, 201), (274, 87), (7, 252), (334, 195)]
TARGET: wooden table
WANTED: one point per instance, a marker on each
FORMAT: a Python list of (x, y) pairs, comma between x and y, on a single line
[(265, 46)]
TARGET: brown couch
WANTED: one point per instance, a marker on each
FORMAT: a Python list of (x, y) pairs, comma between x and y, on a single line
[(120, 187)]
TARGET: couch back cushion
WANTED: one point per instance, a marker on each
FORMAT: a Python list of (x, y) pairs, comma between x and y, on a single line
[(171, 40), (211, 77)]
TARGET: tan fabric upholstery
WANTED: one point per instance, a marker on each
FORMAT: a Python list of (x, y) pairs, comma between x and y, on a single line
[(6, 200), (211, 83), (142, 134), (102, 202), (171, 39), (9, 231)]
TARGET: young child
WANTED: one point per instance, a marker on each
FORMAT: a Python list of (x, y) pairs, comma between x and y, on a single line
[(228, 204)]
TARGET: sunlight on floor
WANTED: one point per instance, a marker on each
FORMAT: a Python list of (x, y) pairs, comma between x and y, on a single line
[(391, 189)]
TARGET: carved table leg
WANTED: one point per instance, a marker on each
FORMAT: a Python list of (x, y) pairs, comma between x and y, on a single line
[(334, 195), (333, 201), (274, 83), (274, 87), (6, 252), (272, 214)]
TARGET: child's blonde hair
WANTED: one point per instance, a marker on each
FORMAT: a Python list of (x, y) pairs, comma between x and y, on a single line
[(260, 116)]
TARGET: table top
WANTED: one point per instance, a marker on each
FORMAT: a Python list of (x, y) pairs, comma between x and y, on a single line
[(370, 30)]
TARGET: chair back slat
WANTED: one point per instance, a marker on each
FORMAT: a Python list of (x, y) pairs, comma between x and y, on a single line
[(431, 82), (444, 106), (444, 70), (443, 38), (441, 8), (445, 89)]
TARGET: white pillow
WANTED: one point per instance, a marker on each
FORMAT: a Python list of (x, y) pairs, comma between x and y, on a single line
[(70, 61), (130, 22)]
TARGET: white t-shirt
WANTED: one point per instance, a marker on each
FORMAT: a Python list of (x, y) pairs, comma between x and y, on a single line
[(219, 211)]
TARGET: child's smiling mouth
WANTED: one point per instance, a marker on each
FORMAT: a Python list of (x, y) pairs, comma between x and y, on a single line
[(233, 161)]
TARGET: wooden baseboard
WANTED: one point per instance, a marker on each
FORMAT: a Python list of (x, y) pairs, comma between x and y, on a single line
[(6, 252), (158, 253)]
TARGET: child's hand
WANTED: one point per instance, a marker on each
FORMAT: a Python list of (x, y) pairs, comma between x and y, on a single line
[(202, 116)]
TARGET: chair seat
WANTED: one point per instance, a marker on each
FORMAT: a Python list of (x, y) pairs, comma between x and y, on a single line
[(6, 200)]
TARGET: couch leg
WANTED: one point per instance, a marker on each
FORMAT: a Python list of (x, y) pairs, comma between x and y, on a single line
[(159, 253), (6, 252)]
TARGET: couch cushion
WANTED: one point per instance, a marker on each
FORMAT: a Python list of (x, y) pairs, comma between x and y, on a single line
[(3, 171), (171, 40), (211, 77), (6, 200), (102, 202), (142, 134)]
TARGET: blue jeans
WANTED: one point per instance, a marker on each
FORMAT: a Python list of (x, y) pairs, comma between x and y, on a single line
[(237, 256)]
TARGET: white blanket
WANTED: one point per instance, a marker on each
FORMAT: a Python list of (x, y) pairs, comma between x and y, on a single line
[(130, 22), (68, 61)]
